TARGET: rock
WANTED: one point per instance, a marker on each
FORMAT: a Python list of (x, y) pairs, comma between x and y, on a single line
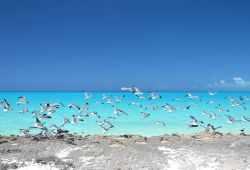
[(13, 138), (126, 136), (3, 140)]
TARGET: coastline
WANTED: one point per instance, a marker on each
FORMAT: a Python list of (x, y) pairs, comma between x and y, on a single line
[(174, 151)]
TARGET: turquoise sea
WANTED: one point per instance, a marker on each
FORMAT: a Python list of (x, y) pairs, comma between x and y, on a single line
[(133, 122)]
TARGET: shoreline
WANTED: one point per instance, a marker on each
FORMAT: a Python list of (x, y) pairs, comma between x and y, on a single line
[(201, 151), (201, 134)]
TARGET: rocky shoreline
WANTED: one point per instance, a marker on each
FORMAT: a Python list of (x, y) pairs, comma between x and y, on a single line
[(202, 151)]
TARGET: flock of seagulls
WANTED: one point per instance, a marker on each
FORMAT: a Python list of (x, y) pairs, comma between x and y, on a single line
[(47, 110)]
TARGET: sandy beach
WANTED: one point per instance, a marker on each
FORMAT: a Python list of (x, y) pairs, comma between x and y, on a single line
[(204, 151)]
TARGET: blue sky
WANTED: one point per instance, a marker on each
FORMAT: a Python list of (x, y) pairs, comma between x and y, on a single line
[(103, 45)]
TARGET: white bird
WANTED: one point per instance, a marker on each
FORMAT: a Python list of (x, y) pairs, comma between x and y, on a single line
[(87, 96), (211, 93), (24, 110), (57, 104), (117, 111), (245, 119), (94, 113), (99, 102), (39, 124), (74, 106), (231, 120), (135, 103), (7, 106), (22, 100), (234, 104), (110, 101), (177, 99), (169, 108), (84, 107), (195, 121), (154, 96), (160, 123), (105, 97), (45, 116), (191, 96), (145, 115), (137, 91), (35, 113)]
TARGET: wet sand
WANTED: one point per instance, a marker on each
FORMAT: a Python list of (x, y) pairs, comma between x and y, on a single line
[(127, 152)]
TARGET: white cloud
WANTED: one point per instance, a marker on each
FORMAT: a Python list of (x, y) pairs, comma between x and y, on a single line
[(237, 82)]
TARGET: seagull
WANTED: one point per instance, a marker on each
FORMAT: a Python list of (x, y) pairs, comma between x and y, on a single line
[(145, 115), (57, 104), (160, 123), (234, 104), (39, 124), (99, 102), (87, 96), (52, 109), (84, 107), (213, 102), (45, 107), (119, 99), (221, 109), (154, 96), (188, 107), (104, 129), (109, 123), (137, 91), (177, 99), (105, 97), (74, 106), (22, 100), (191, 96), (65, 121), (153, 106), (7, 106), (1, 104), (25, 131), (195, 121), (109, 101), (168, 107), (135, 103), (245, 119), (211, 93), (231, 120), (45, 116), (117, 111), (192, 126), (207, 128), (141, 97), (215, 128), (94, 113), (74, 119), (242, 132), (35, 113), (24, 111), (58, 130), (213, 115)]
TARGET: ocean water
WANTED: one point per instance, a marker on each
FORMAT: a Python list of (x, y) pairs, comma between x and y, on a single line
[(132, 123)]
